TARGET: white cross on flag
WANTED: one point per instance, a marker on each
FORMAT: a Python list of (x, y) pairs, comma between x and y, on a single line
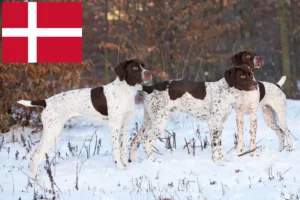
[(41, 32)]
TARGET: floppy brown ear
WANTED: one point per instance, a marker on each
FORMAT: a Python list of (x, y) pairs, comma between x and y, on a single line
[(120, 70), (234, 60), (230, 76)]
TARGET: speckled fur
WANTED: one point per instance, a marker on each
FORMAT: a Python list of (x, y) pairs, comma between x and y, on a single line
[(77, 103), (274, 111), (214, 109)]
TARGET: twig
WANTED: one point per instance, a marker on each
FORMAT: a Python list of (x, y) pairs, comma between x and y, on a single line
[(186, 145), (76, 181), (82, 146), (52, 160), (194, 147), (169, 143), (48, 170), (95, 144), (156, 152), (91, 142), (34, 180), (249, 151), (174, 140), (286, 171), (155, 148), (13, 182), (230, 150)]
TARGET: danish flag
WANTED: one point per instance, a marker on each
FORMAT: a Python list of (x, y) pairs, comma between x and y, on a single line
[(41, 32)]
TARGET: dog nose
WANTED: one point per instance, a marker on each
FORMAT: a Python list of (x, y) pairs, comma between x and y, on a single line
[(259, 58), (147, 73), (255, 84)]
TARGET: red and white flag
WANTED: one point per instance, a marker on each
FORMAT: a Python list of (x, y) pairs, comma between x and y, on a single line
[(41, 32)]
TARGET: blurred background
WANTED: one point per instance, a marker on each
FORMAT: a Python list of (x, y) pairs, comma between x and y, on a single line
[(177, 39)]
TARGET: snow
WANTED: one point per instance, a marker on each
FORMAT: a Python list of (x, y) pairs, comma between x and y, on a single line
[(179, 175)]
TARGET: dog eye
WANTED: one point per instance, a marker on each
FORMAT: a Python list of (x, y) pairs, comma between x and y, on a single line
[(243, 76), (135, 68)]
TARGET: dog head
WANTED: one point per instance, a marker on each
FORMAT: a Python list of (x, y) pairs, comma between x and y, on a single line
[(240, 77), (249, 58), (133, 72)]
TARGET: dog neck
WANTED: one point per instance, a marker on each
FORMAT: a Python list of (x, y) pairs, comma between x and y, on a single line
[(123, 84)]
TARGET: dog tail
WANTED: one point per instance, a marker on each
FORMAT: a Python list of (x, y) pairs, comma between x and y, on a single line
[(281, 81), (36, 103)]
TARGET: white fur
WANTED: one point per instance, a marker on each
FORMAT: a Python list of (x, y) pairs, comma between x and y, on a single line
[(213, 109), (256, 64), (25, 103), (120, 102), (281, 81)]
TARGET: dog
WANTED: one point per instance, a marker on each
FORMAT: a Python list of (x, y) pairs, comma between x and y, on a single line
[(112, 104), (270, 97), (208, 101)]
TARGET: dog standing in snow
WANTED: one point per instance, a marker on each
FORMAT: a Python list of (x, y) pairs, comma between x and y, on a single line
[(211, 102), (112, 104), (270, 97)]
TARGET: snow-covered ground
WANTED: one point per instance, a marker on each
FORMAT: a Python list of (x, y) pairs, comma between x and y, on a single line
[(268, 175)]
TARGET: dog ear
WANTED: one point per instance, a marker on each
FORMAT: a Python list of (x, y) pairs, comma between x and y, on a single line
[(120, 70), (230, 76), (234, 60)]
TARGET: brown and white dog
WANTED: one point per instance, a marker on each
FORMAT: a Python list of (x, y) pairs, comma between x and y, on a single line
[(112, 104), (269, 96), (211, 102)]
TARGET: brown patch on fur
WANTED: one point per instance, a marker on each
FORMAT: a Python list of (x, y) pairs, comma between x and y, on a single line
[(178, 88), (230, 76), (244, 57), (41, 103), (120, 70), (162, 86), (99, 100), (233, 78), (262, 90), (130, 71)]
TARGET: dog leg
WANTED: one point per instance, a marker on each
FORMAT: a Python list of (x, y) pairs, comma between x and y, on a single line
[(281, 116), (270, 119), (158, 126), (240, 130), (253, 129), (50, 135), (124, 140), (216, 143), (115, 133), (138, 137)]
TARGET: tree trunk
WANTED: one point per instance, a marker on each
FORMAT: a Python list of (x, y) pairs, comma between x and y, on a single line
[(106, 71), (294, 47), (247, 20), (285, 48), (0, 33)]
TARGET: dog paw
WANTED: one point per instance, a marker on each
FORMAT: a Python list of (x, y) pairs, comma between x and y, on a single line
[(131, 158), (290, 148), (219, 160), (281, 148), (125, 162), (238, 152), (126, 166), (153, 159), (120, 165)]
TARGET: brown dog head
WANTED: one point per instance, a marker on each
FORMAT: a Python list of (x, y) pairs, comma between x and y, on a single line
[(249, 58), (133, 72), (240, 77)]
